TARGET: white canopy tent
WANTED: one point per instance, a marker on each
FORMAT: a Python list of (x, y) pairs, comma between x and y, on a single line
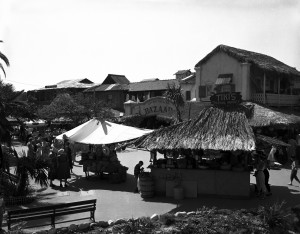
[(103, 132)]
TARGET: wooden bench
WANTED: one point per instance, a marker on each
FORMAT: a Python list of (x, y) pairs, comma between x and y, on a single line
[(51, 212)]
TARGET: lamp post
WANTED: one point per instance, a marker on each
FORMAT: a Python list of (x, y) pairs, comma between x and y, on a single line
[(190, 104)]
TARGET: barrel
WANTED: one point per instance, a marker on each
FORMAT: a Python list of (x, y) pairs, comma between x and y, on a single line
[(146, 187), (178, 193)]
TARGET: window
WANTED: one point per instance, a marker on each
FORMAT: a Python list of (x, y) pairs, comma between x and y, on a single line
[(188, 95), (202, 91), (205, 90)]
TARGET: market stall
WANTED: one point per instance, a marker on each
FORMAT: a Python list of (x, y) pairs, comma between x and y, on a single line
[(205, 156), (100, 139)]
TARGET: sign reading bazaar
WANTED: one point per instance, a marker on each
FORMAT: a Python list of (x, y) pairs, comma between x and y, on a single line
[(225, 99), (154, 106)]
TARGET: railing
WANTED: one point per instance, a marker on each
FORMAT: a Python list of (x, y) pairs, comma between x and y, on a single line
[(272, 99)]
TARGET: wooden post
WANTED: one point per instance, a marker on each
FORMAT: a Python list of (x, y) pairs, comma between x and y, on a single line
[(264, 88)]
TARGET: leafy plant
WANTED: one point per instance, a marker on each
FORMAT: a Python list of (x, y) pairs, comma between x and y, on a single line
[(275, 217)]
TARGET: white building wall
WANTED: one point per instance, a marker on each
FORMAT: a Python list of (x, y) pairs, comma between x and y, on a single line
[(221, 63)]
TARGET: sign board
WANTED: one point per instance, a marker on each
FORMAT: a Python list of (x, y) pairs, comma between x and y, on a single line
[(154, 106), (228, 98)]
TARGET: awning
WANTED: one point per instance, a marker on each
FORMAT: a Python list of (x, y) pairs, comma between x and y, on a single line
[(224, 79), (103, 132)]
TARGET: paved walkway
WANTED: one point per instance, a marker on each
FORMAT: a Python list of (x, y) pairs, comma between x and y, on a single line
[(118, 201)]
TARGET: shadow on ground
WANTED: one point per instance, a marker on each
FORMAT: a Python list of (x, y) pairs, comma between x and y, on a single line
[(290, 197)]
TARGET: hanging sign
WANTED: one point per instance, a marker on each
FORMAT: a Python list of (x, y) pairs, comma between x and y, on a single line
[(155, 106), (228, 98)]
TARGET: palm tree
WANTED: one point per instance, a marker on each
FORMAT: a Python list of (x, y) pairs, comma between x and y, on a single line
[(5, 60), (174, 93), (30, 167), (26, 166), (4, 132)]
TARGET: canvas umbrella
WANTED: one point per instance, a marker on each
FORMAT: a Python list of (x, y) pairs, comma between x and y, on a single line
[(103, 132)]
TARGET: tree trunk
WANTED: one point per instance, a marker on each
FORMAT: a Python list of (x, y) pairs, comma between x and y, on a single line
[(22, 185)]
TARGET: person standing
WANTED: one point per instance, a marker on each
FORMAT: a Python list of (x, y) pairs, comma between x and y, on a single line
[(53, 166), (63, 170), (68, 152), (260, 177), (137, 171), (293, 175), (267, 177)]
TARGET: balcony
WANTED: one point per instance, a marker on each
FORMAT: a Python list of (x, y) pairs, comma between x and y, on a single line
[(273, 99)]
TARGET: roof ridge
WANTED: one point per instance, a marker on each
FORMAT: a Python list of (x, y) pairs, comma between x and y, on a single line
[(150, 81)]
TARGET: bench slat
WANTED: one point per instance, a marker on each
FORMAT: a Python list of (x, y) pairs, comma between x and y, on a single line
[(51, 211)]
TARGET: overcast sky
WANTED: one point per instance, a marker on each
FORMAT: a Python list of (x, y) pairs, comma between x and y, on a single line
[(48, 41)]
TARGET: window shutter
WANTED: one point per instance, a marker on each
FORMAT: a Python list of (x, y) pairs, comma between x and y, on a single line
[(188, 95), (202, 91)]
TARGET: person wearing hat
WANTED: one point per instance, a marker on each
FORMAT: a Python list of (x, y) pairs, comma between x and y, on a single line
[(63, 169)]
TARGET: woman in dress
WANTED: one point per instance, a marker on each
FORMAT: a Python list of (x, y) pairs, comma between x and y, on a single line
[(63, 169)]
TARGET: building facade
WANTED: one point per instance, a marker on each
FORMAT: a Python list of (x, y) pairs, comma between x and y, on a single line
[(256, 76)]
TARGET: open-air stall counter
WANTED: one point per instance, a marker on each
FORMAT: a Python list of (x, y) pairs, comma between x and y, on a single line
[(199, 172)]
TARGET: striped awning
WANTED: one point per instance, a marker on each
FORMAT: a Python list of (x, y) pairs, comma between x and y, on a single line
[(224, 79)]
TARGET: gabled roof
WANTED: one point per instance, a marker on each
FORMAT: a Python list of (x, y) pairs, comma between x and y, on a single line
[(152, 85), (261, 61), (116, 79), (107, 87), (189, 79), (77, 83), (181, 72)]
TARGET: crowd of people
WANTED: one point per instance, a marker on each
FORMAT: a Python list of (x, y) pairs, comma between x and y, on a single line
[(59, 154)]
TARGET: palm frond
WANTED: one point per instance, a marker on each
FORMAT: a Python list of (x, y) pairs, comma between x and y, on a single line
[(4, 58)]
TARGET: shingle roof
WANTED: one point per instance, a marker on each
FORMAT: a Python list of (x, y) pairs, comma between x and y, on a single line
[(262, 61), (118, 79), (180, 72), (107, 87), (77, 83), (152, 85)]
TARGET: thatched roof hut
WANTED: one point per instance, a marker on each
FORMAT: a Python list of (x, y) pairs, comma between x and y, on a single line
[(215, 129), (260, 116)]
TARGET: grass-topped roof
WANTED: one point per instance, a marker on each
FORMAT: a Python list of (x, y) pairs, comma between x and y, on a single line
[(215, 129), (262, 116), (261, 61)]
